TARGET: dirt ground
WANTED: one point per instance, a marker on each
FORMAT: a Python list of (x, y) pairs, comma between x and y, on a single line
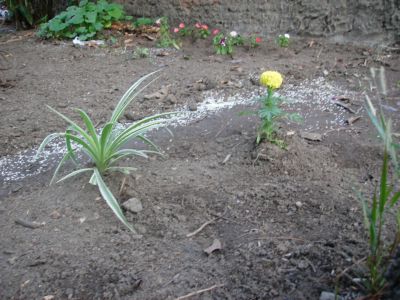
[(288, 220)]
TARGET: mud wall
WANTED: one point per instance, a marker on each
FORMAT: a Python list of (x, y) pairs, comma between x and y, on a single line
[(306, 17)]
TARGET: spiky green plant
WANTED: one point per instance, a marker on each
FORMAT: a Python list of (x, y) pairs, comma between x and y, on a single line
[(105, 148), (385, 197)]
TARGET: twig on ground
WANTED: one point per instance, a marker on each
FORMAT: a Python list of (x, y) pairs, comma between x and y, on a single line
[(200, 292), (28, 224), (203, 226)]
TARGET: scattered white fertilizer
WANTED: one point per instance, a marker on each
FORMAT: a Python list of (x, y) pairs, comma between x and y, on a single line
[(313, 99)]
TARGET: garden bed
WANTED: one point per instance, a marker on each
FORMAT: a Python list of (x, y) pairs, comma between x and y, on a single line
[(288, 220)]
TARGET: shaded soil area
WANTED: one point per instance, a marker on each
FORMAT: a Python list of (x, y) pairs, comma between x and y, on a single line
[(288, 220)]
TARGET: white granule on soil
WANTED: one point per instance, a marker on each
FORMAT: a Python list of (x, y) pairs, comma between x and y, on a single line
[(312, 99)]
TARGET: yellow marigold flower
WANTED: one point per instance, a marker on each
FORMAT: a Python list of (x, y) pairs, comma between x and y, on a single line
[(271, 79)]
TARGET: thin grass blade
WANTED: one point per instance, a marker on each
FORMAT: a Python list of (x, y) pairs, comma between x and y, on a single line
[(46, 141), (127, 97), (74, 173), (63, 160)]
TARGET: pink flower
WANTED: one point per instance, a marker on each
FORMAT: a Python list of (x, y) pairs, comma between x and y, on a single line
[(182, 25), (198, 25), (215, 31), (204, 27), (258, 40), (176, 30), (222, 42)]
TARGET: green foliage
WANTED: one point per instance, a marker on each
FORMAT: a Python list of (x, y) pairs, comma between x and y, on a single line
[(270, 113), (223, 45), (105, 148), (21, 10), (141, 53), (165, 40), (283, 40), (143, 22), (83, 21), (384, 200)]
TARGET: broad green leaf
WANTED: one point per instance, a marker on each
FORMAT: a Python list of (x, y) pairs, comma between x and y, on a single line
[(77, 19), (91, 17)]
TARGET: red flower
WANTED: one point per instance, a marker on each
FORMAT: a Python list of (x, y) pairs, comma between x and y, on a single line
[(198, 25), (176, 30), (215, 31), (182, 25), (204, 27), (258, 40)]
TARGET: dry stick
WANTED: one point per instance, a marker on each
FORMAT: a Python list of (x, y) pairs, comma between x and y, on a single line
[(200, 292), (204, 225), (31, 225)]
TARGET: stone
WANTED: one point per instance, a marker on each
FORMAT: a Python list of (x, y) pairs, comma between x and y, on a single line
[(55, 215), (311, 136), (328, 296), (133, 205), (192, 106)]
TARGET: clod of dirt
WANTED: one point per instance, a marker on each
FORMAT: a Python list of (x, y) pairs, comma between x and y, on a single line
[(160, 95), (216, 245), (133, 205), (311, 136), (171, 99)]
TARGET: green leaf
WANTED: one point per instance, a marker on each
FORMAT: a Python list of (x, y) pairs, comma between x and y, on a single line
[(61, 163), (111, 201), (46, 141), (77, 19), (91, 17), (25, 13), (395, 199), (74, 173), (56, 25)]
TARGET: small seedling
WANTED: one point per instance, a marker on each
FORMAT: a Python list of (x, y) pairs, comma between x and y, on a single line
[(283, 40), (141, 52), (165, 40)]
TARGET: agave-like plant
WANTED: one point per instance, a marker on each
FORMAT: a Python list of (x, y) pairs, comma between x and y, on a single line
[(105, 147)]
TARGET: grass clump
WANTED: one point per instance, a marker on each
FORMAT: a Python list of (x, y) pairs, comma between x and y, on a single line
[(383, 204), (106, 147)]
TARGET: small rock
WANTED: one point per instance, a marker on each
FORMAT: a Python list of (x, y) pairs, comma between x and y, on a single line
[(192, 106), (209, 83), (311, 136), (326, 73), (299, 204), (129, 116), (302, 265), (328, 296), (200, 87), (55, 215), (62, 105), (49, 297), (133, 205)]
